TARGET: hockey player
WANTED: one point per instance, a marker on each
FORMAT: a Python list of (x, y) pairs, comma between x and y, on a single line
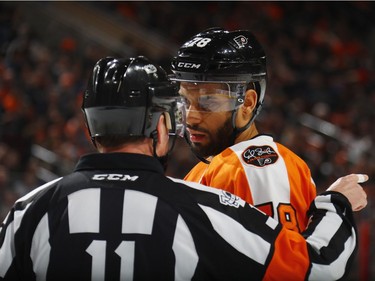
[(222, 79)]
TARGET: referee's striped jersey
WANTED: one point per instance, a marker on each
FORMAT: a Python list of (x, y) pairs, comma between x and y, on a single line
[(117, 217)]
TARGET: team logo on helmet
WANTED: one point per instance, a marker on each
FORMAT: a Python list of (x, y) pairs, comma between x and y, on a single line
[(240, 40), (260, 156), (150, 68)]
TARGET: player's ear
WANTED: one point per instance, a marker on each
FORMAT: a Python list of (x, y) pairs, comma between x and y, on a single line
[(162, 136), (245, 111)]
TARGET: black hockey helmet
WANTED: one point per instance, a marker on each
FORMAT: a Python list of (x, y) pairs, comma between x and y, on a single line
[(125, 97), (217, 55)]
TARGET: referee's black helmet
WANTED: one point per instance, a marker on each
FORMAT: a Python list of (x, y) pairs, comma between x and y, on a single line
[(125, 97)]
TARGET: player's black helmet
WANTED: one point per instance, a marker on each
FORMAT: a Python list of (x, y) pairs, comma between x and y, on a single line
[(125, 97), (217, 55)]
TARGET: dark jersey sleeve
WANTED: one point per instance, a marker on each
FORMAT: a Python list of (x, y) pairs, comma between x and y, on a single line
[(324, 251)]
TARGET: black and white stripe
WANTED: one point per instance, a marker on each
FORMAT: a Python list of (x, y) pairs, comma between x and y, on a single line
[(331, 237), (149, 227)]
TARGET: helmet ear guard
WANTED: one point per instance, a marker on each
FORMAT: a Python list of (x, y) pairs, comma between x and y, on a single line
[(168, 121)]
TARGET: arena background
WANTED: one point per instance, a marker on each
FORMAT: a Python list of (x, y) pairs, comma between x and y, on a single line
[(320, 98)]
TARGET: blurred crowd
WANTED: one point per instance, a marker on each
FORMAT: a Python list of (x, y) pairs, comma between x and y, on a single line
[(320, 96)]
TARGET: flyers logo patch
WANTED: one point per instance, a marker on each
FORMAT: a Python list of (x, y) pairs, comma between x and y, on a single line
[(260, 156)]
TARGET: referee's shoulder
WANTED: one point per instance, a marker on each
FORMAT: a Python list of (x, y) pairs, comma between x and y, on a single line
[(38, 191), (194, 185), (197, 188)]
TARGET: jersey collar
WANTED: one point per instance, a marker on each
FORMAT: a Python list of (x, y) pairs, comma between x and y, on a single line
[(118, 161)]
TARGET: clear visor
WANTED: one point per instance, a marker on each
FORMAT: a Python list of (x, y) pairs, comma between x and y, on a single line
[(211, 96)]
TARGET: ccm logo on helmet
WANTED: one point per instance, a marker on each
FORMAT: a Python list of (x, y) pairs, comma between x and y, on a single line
[(189, 65)]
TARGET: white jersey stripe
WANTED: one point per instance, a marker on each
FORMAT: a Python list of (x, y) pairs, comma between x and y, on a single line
[(327, 229), (184, 251), (7, 250), (138, 212), (205, 188), (336, 268), (41, 249), (273, 176), (37, 190), (244, 241), (84, 211), (6, 218)]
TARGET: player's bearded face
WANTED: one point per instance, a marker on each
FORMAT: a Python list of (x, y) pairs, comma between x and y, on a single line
[(209, 108), (217, 138)]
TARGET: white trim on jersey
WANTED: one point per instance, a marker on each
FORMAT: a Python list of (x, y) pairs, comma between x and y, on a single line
[(336, 269), (7, 251), (327, 228), (36, 190), (217, 191), (244, 241), (196, 185), (185, 252), (41, 249)]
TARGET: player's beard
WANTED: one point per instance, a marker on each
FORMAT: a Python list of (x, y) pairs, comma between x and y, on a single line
[(217, 141)]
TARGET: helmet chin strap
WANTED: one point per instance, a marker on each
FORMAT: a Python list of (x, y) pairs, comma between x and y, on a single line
[(237, 131)]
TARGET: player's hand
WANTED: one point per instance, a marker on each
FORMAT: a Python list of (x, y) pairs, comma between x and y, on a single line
[(350, 188)]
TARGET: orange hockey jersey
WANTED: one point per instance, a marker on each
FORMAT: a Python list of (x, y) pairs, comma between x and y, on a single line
[(265, 174)]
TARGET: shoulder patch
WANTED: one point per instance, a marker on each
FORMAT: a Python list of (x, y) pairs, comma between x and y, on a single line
[(260, 156), (226, 198)]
